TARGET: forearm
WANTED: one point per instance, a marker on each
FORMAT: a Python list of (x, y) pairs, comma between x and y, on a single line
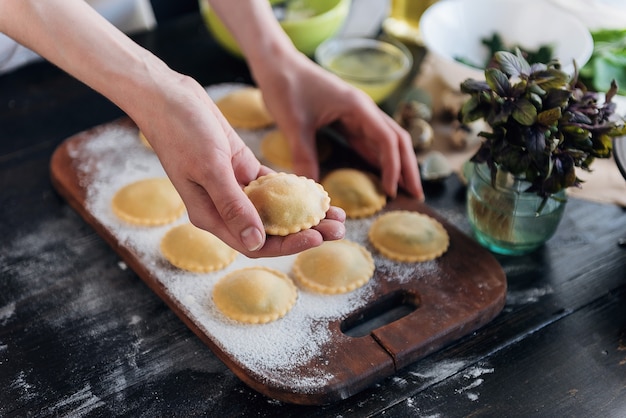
[(70, 34), (256, 30)]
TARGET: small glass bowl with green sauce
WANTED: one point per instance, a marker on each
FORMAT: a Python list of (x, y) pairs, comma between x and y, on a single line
[(375, 66)]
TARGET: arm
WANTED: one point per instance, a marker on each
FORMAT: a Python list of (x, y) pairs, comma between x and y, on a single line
[(303, 98), (203, 156)]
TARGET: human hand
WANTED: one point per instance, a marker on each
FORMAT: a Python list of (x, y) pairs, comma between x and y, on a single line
[(209, 164), (303, 98)]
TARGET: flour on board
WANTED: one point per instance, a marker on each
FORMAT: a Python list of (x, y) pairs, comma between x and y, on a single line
[(115, 157)]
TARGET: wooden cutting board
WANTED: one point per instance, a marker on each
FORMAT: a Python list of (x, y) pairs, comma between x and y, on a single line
[(437, 302)]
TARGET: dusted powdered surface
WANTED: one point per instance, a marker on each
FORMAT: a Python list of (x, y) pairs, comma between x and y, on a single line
[(288, 203), (255, 295), (358, 193), (148, 202), (334, 267), (408, 236), (190, 248), (113, 157), (244, 108)]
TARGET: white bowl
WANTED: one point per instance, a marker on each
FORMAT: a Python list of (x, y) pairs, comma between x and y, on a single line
[(453, 29)]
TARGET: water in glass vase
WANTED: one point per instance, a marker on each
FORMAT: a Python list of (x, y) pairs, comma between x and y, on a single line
[(505, 219)]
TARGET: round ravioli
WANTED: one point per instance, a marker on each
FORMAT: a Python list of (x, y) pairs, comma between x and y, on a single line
[(193, 249), (408, 236), (288, 203), (148, 202), (276, 150), (245, 108), (334, 267), (358, 193), (255, 295)]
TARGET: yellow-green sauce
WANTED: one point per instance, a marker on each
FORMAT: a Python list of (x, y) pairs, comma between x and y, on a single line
[(377, 72)]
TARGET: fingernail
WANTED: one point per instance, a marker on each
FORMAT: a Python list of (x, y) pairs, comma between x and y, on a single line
[(252, 238)]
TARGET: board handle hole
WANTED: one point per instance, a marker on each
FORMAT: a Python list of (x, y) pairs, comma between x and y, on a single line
[(384, 311)]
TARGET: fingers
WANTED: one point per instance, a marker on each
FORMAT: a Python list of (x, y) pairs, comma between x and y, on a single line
[(221, 206), (332, 227), (301, 139), (409, 177), (304, 159), (329, 229), (385, 145), (232, 218)]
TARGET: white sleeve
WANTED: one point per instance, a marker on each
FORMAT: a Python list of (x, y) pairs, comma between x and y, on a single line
[(128, 15)]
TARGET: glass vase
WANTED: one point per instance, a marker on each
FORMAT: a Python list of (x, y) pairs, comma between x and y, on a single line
[(507, 220)]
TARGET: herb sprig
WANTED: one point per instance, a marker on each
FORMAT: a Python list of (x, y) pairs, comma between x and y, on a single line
[(544, 122)]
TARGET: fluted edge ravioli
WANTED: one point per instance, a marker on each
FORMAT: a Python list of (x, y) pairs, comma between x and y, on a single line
[(334, 267), (358, 193), (408, 236), (193, 249), (255, 295), (288, 203), (148, 202)]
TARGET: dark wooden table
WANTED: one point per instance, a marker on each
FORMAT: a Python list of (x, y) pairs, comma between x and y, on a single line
[(81, 335)]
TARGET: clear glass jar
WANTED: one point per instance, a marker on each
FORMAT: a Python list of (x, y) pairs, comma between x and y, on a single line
[(507, 220)]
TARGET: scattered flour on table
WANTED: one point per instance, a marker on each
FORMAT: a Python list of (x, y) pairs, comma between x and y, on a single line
[(26, 390), (115, 157), (470, 378), (6, 312), (525, 296), (79, 404), (435, 372)]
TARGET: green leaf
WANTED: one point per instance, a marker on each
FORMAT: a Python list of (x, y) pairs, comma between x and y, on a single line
[(524, 112), (511, 64), (556, 98), (471, 86), (549, 117), (551, 79), (500, 115), (535, 142), (535, 89), (602, 146), (497, 81), (509, 159), (470, 111)]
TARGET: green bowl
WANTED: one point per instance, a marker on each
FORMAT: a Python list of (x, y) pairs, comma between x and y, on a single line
[(306, 34)]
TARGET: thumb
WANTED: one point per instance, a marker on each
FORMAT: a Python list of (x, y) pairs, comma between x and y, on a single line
[(240, 216), (222, 207)]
